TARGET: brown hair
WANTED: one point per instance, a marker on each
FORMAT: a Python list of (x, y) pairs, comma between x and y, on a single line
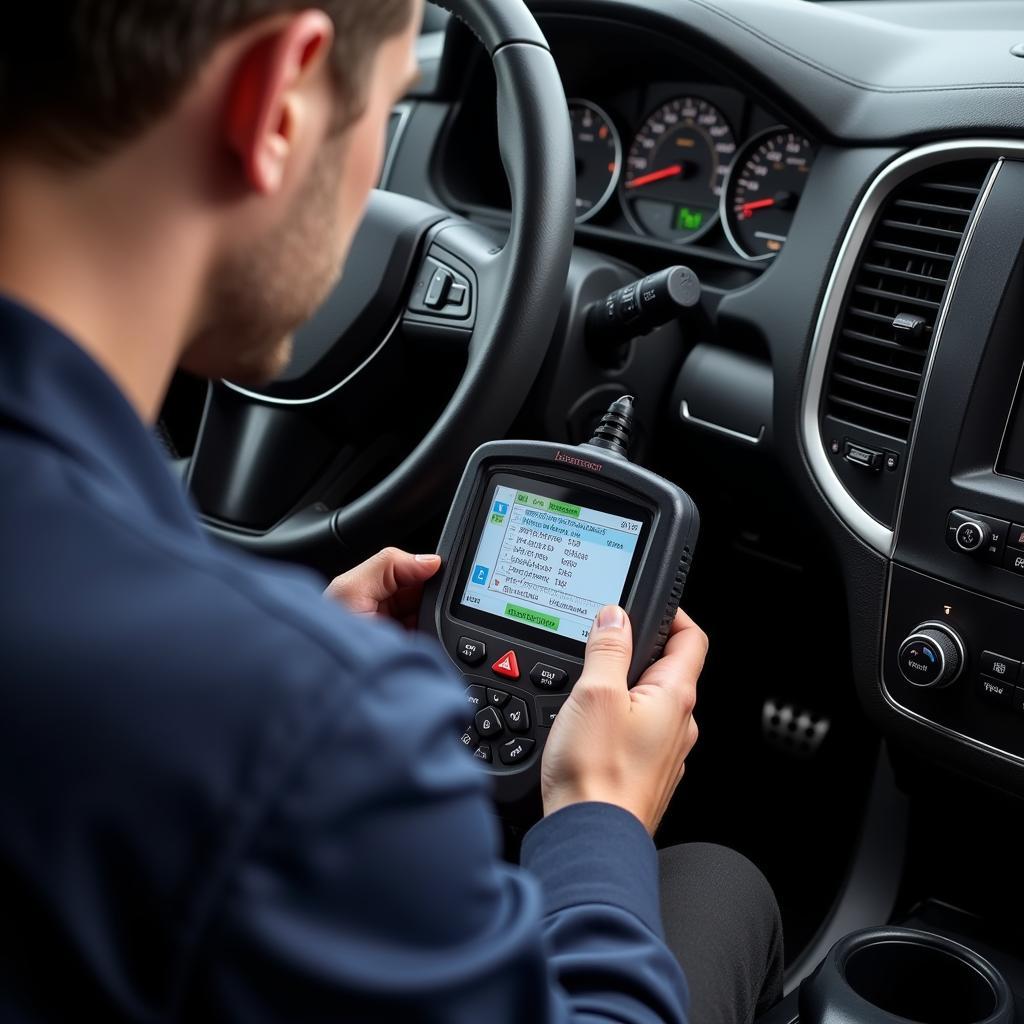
[(78, 77)]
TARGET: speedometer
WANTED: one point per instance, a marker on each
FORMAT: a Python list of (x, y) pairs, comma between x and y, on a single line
[(676, 168), (763, 190)]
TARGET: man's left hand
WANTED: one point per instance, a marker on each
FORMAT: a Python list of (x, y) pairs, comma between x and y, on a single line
[(389, 584)]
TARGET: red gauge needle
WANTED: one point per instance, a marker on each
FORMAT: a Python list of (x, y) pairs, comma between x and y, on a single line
[(649, 179), (748, 208)]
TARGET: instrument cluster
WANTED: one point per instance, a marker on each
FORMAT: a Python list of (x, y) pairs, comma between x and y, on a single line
[(688, 167)]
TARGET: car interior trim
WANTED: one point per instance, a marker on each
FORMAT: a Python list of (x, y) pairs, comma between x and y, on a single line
[(404, 112), (937, 727), (257, 396), (875, 534), (684, 411)]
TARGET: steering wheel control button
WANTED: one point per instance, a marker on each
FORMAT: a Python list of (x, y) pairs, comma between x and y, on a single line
[(548, 677), (998, 691), (984, 537), (517, 718), (441, 291), (507, 665), (488, 723), (970, 536), (483, 753), (472, 652), (547, 708), (439, 288), (515, 751), (476, 697), (998, 667), (932, 656), (497, 698)]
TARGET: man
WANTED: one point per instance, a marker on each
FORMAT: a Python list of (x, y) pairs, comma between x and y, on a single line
[(223, 797)]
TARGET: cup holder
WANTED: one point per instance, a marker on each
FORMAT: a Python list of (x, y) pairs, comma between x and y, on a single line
[(888, 975)]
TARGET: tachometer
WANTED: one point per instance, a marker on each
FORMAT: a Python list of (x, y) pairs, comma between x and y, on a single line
[(763, 190), (676, 168), (598, 157)]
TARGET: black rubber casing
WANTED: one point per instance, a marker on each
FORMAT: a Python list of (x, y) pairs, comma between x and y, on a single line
[(652, 598)]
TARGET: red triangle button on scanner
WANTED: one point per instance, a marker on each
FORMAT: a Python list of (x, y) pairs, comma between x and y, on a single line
[(507, 665)]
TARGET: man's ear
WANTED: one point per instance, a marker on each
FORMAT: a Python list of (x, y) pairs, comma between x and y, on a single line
[(270, 102)]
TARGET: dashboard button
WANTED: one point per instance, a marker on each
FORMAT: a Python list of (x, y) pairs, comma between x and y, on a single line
[(483, 753), (999, 667), (970, 536), (548, 677), (517, 718), (1016, 536), (515, 751), (497, 698), (476, 697), (547, 708), (488, 723), (963, 528), (507, 665), (472, 652), (1014, 560), (996, 690), (931, 656)]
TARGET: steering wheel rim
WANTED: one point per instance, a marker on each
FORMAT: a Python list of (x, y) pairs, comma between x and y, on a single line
[(520, 290)]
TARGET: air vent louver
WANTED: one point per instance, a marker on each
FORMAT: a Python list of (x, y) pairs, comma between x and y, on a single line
[(894, 298)]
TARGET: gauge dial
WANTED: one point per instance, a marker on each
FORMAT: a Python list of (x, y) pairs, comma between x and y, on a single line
[(598, 157), (763, 190), (675, 170)]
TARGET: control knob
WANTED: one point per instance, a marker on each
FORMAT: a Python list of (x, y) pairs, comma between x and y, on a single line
[(972, 536), (932, 656)]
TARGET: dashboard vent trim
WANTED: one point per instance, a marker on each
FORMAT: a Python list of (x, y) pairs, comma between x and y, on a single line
[(893, 302), (872, 532)]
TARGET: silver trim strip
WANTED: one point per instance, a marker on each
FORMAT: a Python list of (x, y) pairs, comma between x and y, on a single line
[(404, 111), (942, 730), (272, 400), (875, 534), (684, 411)]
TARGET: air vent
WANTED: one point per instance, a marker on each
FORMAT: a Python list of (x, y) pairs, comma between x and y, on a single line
[(895, 297)]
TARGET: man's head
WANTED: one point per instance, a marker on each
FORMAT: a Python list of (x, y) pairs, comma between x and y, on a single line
[(272, 113)]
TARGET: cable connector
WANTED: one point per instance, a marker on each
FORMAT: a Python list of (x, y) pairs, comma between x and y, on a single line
[(616, 428)]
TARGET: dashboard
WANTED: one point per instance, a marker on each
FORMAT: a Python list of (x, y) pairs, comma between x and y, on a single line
[(847, 179)]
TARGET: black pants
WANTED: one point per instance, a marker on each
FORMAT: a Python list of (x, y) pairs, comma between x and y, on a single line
[(722, 922)]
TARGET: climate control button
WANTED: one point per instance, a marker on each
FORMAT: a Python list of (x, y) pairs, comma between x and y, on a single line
[(932, 656)]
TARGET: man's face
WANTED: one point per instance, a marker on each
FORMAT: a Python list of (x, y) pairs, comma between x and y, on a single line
[(259, 295)]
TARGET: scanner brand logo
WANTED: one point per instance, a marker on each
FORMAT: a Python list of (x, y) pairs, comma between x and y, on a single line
[(575, 460)]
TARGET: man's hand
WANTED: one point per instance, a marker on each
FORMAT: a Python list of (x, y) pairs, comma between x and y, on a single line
[(621, 746), (390, 584)]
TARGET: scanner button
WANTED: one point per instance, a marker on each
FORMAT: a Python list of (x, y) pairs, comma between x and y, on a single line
[(515, 750), (547, 708), (507, 665), (547, 677), (472, 652), (497, 698), (469, 737), (517, 718), (483, 753), (476, 697), (488, 723)]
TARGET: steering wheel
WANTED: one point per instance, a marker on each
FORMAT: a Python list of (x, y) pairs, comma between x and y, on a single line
[(272, 466)]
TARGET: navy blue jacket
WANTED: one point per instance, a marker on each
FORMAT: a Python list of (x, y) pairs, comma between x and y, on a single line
[(222, 798)]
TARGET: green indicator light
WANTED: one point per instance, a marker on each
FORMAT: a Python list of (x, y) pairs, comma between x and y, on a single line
[(496, 519), (522, 498), (564, 509), (531, 617), (688, 220)]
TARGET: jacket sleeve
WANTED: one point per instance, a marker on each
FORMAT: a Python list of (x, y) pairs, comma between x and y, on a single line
[(374, 889)]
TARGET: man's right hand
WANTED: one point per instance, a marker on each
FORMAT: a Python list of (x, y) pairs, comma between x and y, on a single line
[(621, 746)]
